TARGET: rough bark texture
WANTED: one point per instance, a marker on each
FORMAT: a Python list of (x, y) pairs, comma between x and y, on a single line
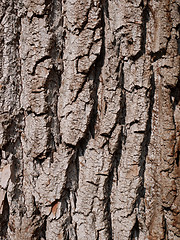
[(89, 119)]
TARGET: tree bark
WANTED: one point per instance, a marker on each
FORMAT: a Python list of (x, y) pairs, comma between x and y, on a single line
[(89, 119)]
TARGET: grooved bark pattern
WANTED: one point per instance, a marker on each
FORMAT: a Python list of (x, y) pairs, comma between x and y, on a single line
[(89, 120)]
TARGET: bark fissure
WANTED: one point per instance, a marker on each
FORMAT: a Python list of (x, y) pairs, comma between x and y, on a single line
[(147, 136), (135, 231), (4, 218), (145, 19)]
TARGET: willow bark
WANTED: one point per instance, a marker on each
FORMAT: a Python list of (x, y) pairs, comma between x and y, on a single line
[(89, 119)]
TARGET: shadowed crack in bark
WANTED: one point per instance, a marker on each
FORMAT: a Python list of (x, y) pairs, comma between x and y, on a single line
[(4, 218), (135, 231), (145, 19), (39, 61), (147, 136)]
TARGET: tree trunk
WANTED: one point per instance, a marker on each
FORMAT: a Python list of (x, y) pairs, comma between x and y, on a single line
[(90, 120)]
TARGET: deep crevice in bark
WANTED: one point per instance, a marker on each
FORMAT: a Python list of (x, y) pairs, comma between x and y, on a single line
[(178, 158), (135, 231), (175, 93), (146, 140), (40, 232), (165, 228), (105, 4), (145, 19), (158, 55), (4, 218), (52, 87), (161, 52)]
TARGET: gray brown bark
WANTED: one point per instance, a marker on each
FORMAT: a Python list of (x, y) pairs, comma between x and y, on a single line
[(89, 119)]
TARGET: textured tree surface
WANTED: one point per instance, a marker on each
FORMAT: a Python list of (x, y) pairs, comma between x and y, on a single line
[(89, 119)]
